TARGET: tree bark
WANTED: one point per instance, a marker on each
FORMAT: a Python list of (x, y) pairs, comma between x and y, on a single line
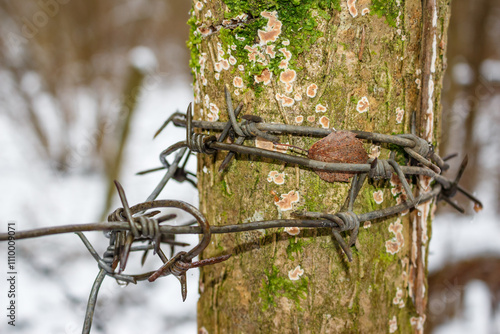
[(315, 63)]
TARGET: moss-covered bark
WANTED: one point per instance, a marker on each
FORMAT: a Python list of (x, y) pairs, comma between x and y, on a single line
[(373, 56)]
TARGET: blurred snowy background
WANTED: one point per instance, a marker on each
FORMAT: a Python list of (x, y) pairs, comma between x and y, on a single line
[(75, 74)]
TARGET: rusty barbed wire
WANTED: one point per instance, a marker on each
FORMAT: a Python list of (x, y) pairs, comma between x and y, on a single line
[(128, 225)]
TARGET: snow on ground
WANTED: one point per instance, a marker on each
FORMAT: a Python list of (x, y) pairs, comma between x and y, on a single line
[(55, 273)]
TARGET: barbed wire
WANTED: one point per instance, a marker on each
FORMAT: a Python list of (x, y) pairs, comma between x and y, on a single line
[(144, 222)]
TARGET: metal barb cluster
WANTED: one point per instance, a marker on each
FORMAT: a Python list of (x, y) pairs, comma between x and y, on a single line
[(128, 225)]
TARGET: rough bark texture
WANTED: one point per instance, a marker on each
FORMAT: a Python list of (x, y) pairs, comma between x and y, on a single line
[(363, 72)]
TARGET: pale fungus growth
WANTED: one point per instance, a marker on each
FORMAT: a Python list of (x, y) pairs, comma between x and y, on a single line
[(295, 273), (398, 31), (225, 64), (276, 177), (399, 296), (363, 105), (299, 119), (213, 114), (264, 77), (297, 97), (417, 81), (286, 53), (270, 51), (285, 42), (198, 5), (232, 60), (378, 196), (367, 224), (292, 230), (238, 82), (287, 200), (241, 68), (240, 38), (320, 108), (236, 92), (208, 14), (204, 80), (311, 118), (203, 330), (351, 4), (289, 88), (374, 151), (218, 66), (204, 31), (217, 76), (418, 322), (324, 122), (285, 100), (311, 90), (283, 64), (365, 11), (391, 247), (395, 244), (253, 52), (288, 76), (399, 115), (272, 29), (233, 47), (393, 325)]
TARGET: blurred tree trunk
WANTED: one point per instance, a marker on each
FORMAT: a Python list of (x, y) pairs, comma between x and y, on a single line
[(271, 58)]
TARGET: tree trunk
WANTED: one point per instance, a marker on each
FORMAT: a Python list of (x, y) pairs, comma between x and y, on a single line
[(315, 63)]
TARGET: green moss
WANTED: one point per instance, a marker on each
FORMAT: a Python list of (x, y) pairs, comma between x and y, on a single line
[(224, 189), (387, 8), (192, 44), (282, 286)]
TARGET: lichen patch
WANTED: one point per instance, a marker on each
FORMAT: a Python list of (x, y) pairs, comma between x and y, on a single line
[(213, 114), (272, 30), (363, 105), (399, 115), (276, 177), (397, 242), (238, 82), (351, 5), (374, 151), (320, 108), (311, 90), (287, 200), (393, 325), (378, 196), (295, 273), (324, 122), (264, 77), (285, 100), (288, 76), (311, 118), (270, 51), (293, 231), (299, 119)]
